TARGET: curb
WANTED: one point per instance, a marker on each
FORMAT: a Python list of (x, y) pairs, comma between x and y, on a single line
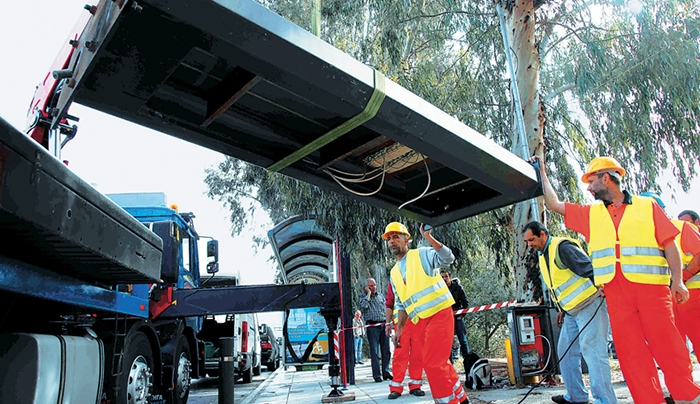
[(255, 393)]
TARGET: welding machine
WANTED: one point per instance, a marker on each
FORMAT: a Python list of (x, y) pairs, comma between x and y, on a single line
[(533, 341)]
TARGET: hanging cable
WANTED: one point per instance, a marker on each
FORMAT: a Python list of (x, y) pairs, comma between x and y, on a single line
[(426, 187)]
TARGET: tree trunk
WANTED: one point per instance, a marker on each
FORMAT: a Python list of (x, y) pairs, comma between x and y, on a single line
[(520, 23)]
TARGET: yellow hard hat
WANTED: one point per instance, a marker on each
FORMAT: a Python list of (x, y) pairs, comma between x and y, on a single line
[(600, 164), (396, 227)]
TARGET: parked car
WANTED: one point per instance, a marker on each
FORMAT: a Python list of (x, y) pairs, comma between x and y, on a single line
[(269, 348)]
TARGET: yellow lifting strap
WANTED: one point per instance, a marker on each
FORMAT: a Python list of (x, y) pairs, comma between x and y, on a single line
[(375, 101)]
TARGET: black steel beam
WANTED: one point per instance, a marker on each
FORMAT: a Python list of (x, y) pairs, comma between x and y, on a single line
[(251, 299)]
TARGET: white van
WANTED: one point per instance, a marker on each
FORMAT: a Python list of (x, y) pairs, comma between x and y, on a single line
[(244, 329), (248, 346)]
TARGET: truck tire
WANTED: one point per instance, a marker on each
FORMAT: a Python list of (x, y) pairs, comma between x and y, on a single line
[(248, 374), (135, 381), (183, 368)]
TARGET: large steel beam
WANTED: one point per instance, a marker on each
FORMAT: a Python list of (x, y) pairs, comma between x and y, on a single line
[(251, 299)]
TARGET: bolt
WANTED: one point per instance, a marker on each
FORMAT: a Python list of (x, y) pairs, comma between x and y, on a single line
[(74, 43), (136, 7), (91, 9)]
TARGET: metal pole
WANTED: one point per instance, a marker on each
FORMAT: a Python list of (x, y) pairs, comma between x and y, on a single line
[(519, 119), (227, 366)]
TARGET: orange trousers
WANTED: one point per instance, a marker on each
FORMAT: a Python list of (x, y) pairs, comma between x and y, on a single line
[(688, 319), (409, 354), (644, 331), (437, 347)]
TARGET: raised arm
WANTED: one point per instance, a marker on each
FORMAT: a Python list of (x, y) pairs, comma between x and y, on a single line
[(550, 197)]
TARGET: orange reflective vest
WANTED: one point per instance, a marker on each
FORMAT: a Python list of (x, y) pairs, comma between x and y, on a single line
[(640, 258), (694, 282), (568, 288), (424, 295)]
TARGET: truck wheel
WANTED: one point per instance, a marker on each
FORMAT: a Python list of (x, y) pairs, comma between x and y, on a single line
[(183, 372), (248, 374), (136, 379)]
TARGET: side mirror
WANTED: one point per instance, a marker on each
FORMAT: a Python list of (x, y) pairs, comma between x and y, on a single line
[(212, 256)]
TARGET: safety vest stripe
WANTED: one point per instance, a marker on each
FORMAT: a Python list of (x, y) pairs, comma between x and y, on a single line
[(394, 384), (645, 269), (573, 295), (647, 251), (606, 270), (432, 303), (425, 292), (605, 252), (416, 382), (566, 285), (444, 399)]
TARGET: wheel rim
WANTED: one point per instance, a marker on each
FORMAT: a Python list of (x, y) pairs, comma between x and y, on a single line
[(139, 382), (184, 368)]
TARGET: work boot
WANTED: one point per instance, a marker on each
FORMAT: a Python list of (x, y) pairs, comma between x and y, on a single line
[(394, 395), (378, 379), (387, 376), (562, 400), (417, 392)]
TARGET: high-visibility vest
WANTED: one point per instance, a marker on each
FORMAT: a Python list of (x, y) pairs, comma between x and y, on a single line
[(694, 282), (424, 295), (568, 288), (641, 259)]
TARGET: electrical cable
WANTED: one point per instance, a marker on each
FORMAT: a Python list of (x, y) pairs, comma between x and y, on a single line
[(426, 187), (549, 357), (360, 193), (565, 352)]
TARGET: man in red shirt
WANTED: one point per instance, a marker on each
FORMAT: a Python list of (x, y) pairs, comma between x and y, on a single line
[(688, 314), (632, 246)]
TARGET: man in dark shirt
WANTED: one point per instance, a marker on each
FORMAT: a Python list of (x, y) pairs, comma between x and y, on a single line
[(460, 297), (373, 306), (568, 273)]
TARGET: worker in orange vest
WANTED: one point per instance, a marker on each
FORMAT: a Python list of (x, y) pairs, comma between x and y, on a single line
[(632, 247), (407, 355), (422, 297), (687, 315)]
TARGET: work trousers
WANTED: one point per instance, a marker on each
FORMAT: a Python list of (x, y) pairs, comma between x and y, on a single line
[(643, 330), (358, 349), (378, 341), (461, 333), (688, 319), (592, 344), (409, 354), (437, 346)]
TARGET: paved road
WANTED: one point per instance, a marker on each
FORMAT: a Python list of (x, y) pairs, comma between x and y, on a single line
[(205, 390)]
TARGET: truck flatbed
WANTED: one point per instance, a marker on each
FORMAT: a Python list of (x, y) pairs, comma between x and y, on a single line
[(53, 219), (235, 77)]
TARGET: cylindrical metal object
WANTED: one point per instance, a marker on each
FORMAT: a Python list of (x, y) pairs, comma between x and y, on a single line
[(227, 365)]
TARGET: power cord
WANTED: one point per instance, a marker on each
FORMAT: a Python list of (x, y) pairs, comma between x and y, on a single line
[(551, 372)]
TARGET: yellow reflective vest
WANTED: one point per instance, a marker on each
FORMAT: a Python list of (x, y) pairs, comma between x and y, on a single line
[(424, 295), (641, 259), (694, 282), (568, 288)]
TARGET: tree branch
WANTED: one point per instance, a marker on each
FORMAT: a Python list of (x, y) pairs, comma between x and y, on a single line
[(444, 13), (549, 97)]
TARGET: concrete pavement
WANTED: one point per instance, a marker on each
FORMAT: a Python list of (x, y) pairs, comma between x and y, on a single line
[(291, 387)]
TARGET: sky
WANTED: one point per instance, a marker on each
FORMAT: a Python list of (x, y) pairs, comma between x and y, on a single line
[(115, 155)]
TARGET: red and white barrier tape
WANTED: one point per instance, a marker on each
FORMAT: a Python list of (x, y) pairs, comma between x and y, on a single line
[(485, 307)]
